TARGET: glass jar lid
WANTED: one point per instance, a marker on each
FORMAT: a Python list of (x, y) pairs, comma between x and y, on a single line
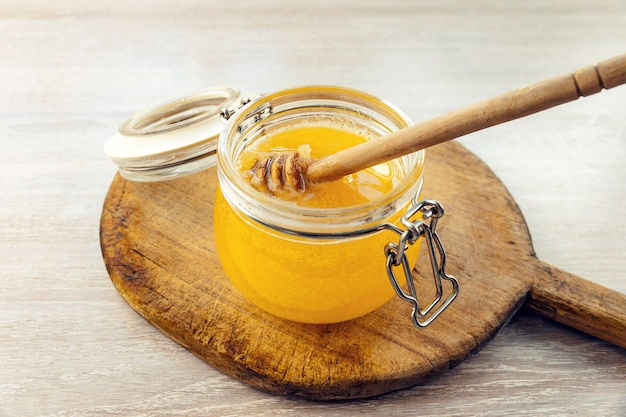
[(174, 137)]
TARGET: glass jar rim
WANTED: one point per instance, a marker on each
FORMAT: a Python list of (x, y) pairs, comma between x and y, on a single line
[(287, 217)]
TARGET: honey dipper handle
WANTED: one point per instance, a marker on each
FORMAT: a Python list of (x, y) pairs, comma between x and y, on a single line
[(509, 106)]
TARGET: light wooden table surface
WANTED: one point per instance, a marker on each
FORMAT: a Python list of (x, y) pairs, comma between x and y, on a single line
[(72, 70)]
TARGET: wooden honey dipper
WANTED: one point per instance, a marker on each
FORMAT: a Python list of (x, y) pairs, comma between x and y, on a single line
[(290, 171)]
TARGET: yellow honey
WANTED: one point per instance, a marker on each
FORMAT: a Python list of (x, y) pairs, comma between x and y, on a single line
[(306, 278)]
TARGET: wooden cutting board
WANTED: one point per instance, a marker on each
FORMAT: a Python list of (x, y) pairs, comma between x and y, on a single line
[(158, 246)]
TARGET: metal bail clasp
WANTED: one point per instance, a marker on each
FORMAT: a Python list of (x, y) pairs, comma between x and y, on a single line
[(396, 256)]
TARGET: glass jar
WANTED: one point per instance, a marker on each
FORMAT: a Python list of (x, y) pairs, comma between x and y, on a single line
[(312, 265)]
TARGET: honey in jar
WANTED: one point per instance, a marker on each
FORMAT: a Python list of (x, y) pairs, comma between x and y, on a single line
[(315, 256)]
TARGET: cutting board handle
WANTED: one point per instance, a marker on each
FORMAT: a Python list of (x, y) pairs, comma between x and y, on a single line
[(579, 303)]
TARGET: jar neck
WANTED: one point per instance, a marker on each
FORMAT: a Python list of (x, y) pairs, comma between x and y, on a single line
[(286, 107)]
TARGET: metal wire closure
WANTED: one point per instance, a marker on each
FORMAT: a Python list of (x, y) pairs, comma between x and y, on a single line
[(396, 256)]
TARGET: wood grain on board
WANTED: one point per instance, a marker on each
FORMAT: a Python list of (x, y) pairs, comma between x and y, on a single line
[(158, 246)]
